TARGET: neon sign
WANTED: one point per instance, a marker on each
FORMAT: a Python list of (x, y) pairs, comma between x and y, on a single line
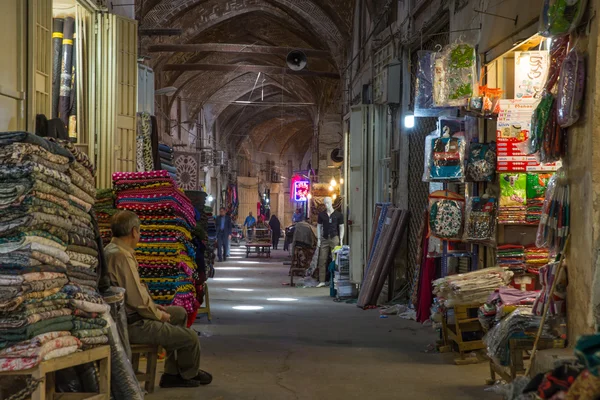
[(301, 190)]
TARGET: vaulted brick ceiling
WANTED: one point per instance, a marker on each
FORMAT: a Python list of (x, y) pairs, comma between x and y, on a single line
[(309, 24)]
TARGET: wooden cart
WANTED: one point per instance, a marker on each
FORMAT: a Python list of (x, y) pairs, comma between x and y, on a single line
[(465, 321)]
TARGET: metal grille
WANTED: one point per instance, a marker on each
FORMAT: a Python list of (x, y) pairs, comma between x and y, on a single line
[(418, 191)]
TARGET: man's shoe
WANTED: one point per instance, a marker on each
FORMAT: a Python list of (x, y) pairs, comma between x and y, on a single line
[(176, 381), (203, 377), (322, 284)]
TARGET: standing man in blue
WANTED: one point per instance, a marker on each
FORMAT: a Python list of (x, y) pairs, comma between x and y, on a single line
[(249, 225), (224, 228)]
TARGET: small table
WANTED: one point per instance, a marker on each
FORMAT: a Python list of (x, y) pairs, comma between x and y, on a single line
[(46, 372), (258, 248)]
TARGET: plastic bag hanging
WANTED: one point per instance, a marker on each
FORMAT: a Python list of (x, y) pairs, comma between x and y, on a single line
[(460, 78), (447, 159), (480, 225), (560, 17), (446, 215), (481, 162), (570, 88), (424, 83)]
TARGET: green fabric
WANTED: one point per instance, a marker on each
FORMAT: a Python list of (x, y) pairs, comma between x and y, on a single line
[(63, 323)]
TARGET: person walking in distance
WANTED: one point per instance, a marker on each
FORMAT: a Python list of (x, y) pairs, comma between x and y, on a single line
[(224, 228), (275, 230)]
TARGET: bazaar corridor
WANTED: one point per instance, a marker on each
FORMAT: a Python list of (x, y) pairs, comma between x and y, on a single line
[(307, 349)]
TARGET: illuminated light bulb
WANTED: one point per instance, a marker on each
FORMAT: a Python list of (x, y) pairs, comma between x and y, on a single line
[(333, 182), (210, 199), (341, 181), (335, 196), (409, 121), (331, 188), (309, 196)]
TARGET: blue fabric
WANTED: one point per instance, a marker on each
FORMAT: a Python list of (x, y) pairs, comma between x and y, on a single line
[(222, 224), (297, 217)]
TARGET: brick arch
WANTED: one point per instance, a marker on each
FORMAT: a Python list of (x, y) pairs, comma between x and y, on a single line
[(301, 140), (319, 21)]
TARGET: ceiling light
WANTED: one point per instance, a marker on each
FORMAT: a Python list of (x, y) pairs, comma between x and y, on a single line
[(247, 308), (209, 198), (334, 196), (341, 181), (333, 183), (249, 262), (409, 121), (284, 299), (331, 188)]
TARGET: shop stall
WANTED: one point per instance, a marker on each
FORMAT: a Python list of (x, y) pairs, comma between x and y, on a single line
[(499, 194)]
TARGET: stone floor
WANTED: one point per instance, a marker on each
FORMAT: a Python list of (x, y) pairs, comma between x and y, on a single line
[(313, 348)]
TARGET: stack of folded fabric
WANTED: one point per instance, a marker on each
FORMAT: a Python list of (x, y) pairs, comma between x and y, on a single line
[(166, 160), (37, 221), (470, 288), (511, 256), (534, 210), (86, 302), (165, 254), (105, 209), (512, 215), (536, 257)]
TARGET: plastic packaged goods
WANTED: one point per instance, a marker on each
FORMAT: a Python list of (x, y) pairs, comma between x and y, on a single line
[(553, 229), (539, 120), (429, 141), (446, 215), (537, 184), (480, 225), (461, 74), (481, 162), (558, 52), (570, 88), (513, 190), (560, 17), (446, 157)]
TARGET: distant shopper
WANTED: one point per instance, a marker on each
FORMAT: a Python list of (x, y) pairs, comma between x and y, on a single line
[(224, 228), (298, 216), (249, 224), (275, 230), (149, 323)]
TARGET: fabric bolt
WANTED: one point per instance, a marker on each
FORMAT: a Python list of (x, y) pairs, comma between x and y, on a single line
[(28, 354), (82, 250), (41, 294), (95, 340), (54, 252), (90, 307), (84, 333), (84, 314), (32, 319), (41, 237), (11, 138), (79, 202), (43, 285), (54, 324), (83, 258)]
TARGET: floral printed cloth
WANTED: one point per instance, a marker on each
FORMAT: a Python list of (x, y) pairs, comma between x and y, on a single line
[(446, 219)]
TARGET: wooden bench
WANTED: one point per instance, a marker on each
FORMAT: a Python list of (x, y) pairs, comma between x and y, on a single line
[(46, 370), (151, 353)]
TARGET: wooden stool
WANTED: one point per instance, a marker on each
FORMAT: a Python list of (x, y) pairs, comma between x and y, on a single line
[(206, 308), (46, 372), (151, 352)]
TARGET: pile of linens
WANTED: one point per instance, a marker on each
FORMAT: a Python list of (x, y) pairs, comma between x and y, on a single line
[(166, 160), (166, 254), (470, 288), (49, 304), (501, 303), (511, 256)]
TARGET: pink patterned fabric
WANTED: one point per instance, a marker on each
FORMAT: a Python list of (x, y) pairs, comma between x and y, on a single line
[(140, 175), (30, 353)]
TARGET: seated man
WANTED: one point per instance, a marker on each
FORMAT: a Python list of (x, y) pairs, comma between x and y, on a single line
[(150, 323)]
